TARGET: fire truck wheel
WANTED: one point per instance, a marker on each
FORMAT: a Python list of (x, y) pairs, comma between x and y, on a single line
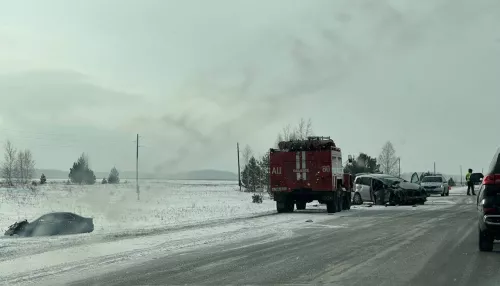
[(280, 207), (301, 205), (285, 205)]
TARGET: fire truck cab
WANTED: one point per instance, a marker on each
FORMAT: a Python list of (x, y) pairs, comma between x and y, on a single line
[(302, 171)]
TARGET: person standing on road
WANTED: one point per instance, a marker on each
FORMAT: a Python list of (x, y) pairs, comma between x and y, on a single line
[(470, 183)]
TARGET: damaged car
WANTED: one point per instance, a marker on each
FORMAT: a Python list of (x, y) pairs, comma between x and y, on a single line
[(384, 189), (57, 223)]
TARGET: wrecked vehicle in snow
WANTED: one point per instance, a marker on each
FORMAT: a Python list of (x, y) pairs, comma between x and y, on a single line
[(384, 189), (52, 224)]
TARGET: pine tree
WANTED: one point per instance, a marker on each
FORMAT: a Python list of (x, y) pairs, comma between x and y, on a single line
[(80, 173), (362, 164), (114, 176), (245, 174), (43, 179), (251, 175), (264, 166)]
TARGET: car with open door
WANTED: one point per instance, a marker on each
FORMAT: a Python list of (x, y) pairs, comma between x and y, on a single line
[(477, 178), (386, 189)]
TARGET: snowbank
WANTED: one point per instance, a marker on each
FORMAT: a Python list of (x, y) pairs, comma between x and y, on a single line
[(115, 208), (164, 206)]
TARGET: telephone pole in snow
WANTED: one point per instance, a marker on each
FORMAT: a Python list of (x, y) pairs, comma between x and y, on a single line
[(399, 166), (238, 154), (137, 166), (461, 177)]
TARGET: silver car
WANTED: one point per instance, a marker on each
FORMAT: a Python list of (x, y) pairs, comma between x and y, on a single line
[(381, 189), (435, 185)]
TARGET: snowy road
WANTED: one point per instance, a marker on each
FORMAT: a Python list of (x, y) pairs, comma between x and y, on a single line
[(434, 244), (430, 245)]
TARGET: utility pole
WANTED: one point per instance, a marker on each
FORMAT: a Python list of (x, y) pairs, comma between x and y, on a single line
[(269, 172), (137, 166), (399, 166), (461, 177), (238, 154), (434, 168)]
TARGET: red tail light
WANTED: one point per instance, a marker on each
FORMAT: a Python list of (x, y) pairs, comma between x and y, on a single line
[(489, 210), (492, 179)]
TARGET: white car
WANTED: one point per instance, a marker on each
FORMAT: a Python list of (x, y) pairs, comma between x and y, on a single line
[(435, 185)]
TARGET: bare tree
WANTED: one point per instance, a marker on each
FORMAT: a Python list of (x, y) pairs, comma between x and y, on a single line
[(288, 133), (25, 166), (9, 164), (279, 138), (247, 154), (304, 129), (388, 160), (300, 132), (19, 168)]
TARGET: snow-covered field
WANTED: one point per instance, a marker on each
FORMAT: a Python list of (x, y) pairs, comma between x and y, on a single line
[(170, 216), (164, 207), (115, 208)]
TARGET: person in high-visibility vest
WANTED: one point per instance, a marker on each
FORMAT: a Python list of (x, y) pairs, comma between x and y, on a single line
[(470, 183)]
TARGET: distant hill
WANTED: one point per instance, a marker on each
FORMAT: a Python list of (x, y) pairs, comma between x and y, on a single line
[(204, 175), (52, 174), (191, 175)]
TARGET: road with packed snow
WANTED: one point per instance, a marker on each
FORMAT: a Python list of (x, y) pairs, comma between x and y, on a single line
[(434, 244)]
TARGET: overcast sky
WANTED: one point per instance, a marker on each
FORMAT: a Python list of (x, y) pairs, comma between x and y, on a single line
[(194, 77)]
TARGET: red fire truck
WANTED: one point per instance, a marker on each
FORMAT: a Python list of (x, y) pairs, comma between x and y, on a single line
[(302, 171)]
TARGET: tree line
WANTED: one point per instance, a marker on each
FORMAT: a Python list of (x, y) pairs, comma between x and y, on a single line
[(255, 169), (81, 173), (18, 166)]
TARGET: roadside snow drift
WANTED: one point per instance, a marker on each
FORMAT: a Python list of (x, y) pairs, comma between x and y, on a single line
[(115, 208)]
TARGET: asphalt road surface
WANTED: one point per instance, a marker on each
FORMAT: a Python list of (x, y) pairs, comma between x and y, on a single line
[(409, 246)]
